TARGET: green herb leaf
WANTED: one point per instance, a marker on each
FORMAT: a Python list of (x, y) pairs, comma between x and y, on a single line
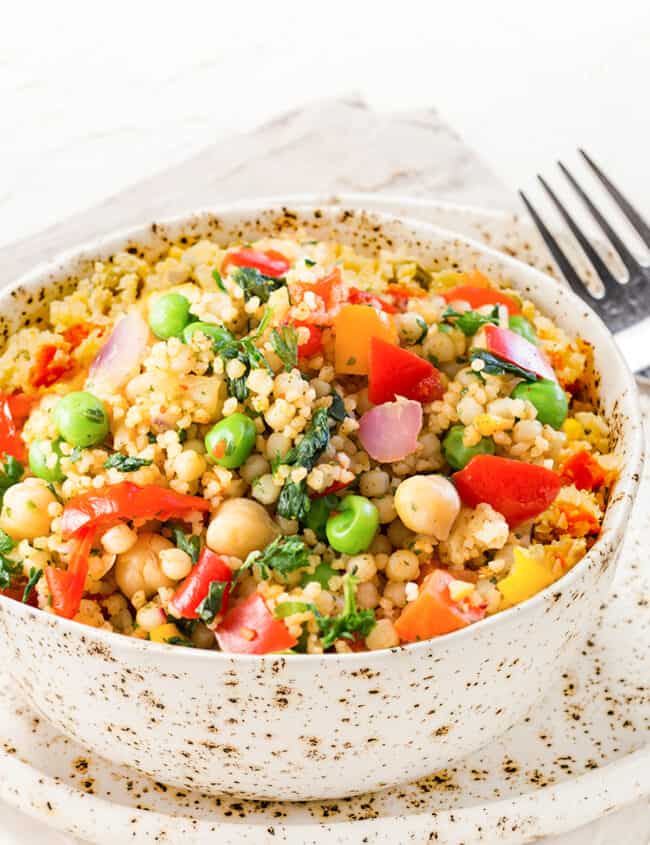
[(288, 608), (254, 283), (285, 346), (337, 409), (188, 543), (424, 328), (212, 603), (180, 641), (499, 367), (350, 622), (309, 262), (9, 569), (11, 471), (6, 542), (322, 574), (35, 576), (94, 415), (283, 555), (293, 501), (469, 322), (216, 275), (314, 441), (125, 463)]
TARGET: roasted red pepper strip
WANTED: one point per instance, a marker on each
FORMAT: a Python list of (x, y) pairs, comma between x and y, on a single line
[(14, 410), (583, 470), (108, 505), (76, 334), (336, 487), (366, 297), (88, 513), (329, 294), (517, 490), (314, 344), (210, 567), (250, 628), (429, 389), (398, 372), (477, 297), (269, 262), (517, 350), (51, 364)]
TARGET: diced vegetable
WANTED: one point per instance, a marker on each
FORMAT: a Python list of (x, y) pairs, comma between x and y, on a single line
[(51, 364), (81, 419), (165, 633), (14, 410), (389, 432), (434, 612), (121, 355), (366, 297), (457, 454), (395, 372), (250, 628), (230, 441), (548, 398), (517, 490), (325, 296), (195, 587), (521, 326), (583, 470), (477, 297), (270, 262), (314, 343), (355, 326), (352, 527), (169, 315), (528, 575), (517, 350)]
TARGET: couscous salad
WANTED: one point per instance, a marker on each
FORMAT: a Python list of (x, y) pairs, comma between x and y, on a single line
[(286, 446)]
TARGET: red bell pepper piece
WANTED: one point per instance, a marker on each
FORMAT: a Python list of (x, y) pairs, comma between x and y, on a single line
[(269, 262), (477, 297), (210, 567), (250, 628), (366, 297), (398, 372), (88, 513), (429, 389), (517, 490), (76, 334), (583, 470), (517, 350), (434, 612), (336, 487), (46, 371), (14, 410), (329, 294), (314, 343)]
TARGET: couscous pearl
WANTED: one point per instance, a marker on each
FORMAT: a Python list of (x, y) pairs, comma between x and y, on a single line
[(403, 566), (118, 539), (386, 508), (277, 445), (367, 595), (395, 591), (374, 483), (175, 563), (363, 566), (383, 635), (189, 466), (265, 490), (150, 616), (381, 545), (399, 535), (255, 466)]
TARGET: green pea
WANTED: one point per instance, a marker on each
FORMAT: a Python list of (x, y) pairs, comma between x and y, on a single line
[(230, 441), (217, 333), (549, 399), (459, 455), (318, 515), (523, 327), (169, 315), (81, 419), (353, 527), (39, 459)]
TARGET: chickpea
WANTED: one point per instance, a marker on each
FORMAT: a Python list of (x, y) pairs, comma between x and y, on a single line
[(175, 563), (118, 539), (239, 527), (150, 616), (383, 635), (139, 569), (25, 506), (402, 566), (428, 504)]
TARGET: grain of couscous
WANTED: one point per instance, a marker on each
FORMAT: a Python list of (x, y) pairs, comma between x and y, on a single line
[(287, 446)]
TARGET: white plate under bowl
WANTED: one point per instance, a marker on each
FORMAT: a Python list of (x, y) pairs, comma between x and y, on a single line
[(583, 754)]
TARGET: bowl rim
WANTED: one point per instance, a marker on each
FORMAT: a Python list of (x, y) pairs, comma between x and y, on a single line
[(331, 205)]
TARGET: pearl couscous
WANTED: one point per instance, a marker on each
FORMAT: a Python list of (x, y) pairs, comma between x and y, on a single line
[(287, 446)]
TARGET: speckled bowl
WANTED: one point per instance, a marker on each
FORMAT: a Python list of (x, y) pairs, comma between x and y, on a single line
[(306, 727)]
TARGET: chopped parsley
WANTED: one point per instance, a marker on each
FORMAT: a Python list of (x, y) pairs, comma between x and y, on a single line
[(309, 262), (11, 471), (244, 350), (351, 622), (285, 346), (211, 605), (6, 542), (216, 275), (337, 409), (283, 555), (125, 463), (35, 576), (293, 502), (322, 574), (188, 543), (469, 322), (254, 283), (499, 367)]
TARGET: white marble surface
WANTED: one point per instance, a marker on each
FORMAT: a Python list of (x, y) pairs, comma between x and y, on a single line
[(97, 99)]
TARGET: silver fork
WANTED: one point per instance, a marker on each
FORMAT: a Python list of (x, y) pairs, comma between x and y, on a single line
[(625, 304)]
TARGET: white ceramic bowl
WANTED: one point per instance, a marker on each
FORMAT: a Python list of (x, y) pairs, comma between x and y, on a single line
[(303, 727)]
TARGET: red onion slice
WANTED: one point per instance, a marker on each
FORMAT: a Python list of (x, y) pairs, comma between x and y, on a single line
[(389, 432), (120, 357)]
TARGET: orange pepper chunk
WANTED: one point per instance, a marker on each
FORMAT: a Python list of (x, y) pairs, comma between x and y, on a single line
[(355, 325)]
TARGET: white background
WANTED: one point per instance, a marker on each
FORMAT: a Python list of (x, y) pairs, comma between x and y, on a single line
[(94, 97)]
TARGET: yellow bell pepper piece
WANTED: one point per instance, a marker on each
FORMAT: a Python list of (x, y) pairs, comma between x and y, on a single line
[(573, 429), (527, 576), (162, 633), (354, 326)]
